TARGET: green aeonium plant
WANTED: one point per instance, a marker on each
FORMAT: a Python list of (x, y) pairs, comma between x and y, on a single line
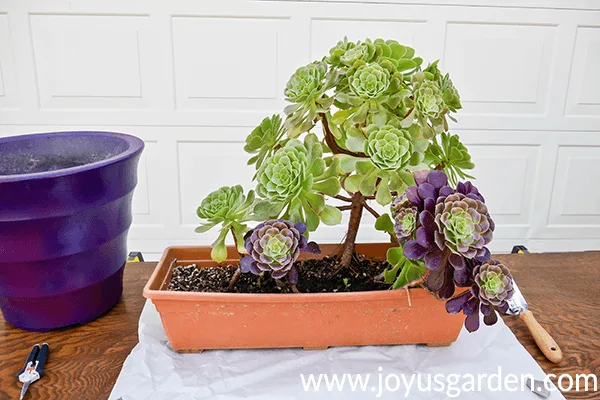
[(367, 122), (369, 81), (390, 152), (294, 182), (306, 91), (230, 208), (264, 139), (451, 155)]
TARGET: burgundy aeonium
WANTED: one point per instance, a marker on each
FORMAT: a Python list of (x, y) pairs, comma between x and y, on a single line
[(491, 289), (463, 225), (430, 186), (274, 246), (405, 218), (453, 227)]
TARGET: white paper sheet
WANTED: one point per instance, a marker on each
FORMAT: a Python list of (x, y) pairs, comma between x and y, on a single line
[(153, 371)]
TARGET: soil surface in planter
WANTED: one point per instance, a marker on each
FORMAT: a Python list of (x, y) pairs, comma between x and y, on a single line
[(316, 276)]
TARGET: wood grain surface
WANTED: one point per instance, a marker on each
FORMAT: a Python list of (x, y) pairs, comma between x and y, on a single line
[(562, 290), (84, 361)]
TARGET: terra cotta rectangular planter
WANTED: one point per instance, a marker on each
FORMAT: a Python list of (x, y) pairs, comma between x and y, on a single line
[(195, 321)]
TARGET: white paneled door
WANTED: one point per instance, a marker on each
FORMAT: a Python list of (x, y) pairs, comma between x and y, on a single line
[(192, 78)]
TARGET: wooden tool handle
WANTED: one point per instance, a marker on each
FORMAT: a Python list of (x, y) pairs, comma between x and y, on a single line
[(542, 338)]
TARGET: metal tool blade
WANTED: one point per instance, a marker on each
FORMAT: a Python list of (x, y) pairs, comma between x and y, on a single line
[(517, 303), (538, 388), (24, 389)]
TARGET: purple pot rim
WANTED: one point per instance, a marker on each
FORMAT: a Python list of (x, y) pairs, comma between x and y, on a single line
[(136, 145)]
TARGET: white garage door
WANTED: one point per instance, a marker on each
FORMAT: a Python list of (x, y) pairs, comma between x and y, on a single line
[(192, 78)]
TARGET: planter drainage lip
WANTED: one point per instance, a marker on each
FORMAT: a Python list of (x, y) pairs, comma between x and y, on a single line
[(135, 145)]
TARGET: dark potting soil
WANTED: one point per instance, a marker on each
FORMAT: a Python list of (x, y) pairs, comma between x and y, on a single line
[(316, 276)]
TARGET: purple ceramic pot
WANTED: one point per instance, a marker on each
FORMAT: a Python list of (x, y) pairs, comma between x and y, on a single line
[(65, 209)]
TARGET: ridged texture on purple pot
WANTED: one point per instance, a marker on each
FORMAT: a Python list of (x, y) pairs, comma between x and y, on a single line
[(66, 209)]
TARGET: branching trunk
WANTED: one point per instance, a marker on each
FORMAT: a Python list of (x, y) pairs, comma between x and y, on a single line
[(353, 224), (357, 200)]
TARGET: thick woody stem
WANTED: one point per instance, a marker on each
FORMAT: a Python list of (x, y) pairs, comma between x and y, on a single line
[(357, 199), (353, 224), (344, 208)]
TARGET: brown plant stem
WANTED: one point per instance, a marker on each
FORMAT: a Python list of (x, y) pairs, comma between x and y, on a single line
[(344, 208), (355, 216), (371, 210), (332, 144), (376, 215), (234, 279), (238, 272), (343, 198), (261, 280), (418, 282)]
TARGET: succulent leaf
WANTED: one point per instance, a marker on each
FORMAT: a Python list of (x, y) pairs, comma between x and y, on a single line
[(403, 271), (384, 223), (452, 156), (264, 138)]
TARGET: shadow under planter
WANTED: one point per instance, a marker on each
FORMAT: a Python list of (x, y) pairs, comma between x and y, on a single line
[(195, 321), (65, 210)]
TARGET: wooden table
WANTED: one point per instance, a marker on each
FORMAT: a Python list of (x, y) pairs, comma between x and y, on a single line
[(84, 362)]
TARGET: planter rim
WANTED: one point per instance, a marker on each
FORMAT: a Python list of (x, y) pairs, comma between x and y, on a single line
[(135, 146), (327, 297)]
